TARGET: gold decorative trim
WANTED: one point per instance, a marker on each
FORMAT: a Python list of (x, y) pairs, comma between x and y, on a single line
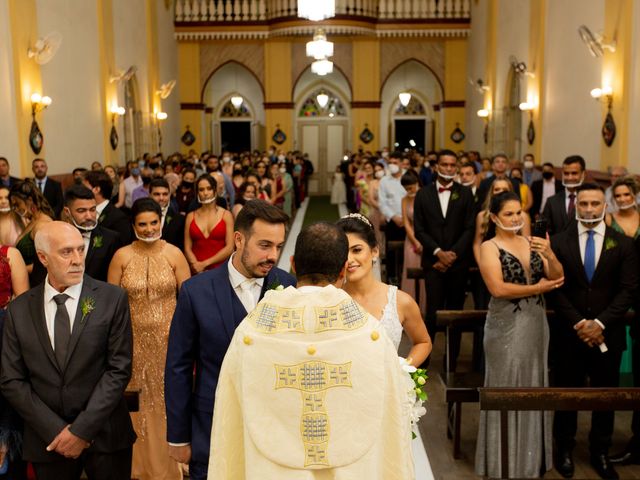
[(269, 318), (347, 315)]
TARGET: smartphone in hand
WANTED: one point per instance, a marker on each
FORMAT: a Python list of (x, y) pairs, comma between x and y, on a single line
[(539, 228)]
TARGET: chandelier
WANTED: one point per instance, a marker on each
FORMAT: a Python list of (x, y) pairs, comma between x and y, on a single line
[(323, 99), (319, 48), (322, 67), (236, 101), (405, 98), (316, 10)]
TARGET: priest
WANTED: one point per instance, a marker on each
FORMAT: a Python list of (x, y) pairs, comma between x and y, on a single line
[(311, 387)]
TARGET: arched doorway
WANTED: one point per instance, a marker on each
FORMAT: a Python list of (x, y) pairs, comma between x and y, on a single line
[(416, 121), (322, 128), (234, 79)]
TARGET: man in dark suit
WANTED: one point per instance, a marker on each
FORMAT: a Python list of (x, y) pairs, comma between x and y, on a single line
[(444, 222), (66, 361), (601, 280), (499, 168), (108, 215), (51, 189), (560, 209), (5, 178), (543, 189), (210, 306), (172, 221)]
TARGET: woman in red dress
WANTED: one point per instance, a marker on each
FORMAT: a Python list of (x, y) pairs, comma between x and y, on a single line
[(208, 234)]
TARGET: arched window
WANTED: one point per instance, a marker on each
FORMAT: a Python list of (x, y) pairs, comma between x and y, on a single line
[(311, 108), (414, 107), (230, 111)]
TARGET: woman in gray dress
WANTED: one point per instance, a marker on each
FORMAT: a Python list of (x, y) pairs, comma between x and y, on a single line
[(517, 271)]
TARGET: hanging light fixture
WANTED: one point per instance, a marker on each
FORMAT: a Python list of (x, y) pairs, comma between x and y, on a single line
[(405, 98), (322, 98), (322, 67), (236, 101), (319, 47), (316, 10)]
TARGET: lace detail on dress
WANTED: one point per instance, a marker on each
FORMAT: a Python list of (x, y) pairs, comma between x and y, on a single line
[(514, 272), (390, 319)]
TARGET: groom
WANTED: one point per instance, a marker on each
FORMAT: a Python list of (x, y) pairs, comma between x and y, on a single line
[(210, 307), (311, 382)]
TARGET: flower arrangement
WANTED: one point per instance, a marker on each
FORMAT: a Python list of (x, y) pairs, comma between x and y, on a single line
[(610, 243), (87, 306), (455, 196), (416, 396), (97, 241)]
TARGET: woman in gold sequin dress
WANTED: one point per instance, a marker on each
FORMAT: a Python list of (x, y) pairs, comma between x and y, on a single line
[(151, 271)]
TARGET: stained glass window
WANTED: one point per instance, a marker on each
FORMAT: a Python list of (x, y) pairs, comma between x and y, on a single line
[(311, 108), (414, 107), (229, 111)]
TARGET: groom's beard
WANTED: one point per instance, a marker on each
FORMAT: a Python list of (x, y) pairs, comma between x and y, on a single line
[(255, 270)]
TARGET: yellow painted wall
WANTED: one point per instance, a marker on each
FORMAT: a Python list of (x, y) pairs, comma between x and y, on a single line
[(455, 86), (366, 88), (108, 90), (278, 88), (189, 81), (616, 72), (535, 85), (24, 32)]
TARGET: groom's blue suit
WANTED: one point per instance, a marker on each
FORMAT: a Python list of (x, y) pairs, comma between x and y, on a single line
[(206, 316)]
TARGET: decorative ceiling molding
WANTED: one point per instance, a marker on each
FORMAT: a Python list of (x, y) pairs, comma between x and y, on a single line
[(330, 29)]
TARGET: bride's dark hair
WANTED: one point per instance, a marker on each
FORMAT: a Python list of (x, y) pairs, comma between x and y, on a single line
[(359, 225)]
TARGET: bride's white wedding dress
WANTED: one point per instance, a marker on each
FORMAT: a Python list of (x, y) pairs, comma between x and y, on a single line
[(392, 326)]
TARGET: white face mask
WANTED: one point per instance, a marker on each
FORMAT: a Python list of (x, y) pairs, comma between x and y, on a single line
[(281, 158), (82, 228), (283, 170), (379, 174), (620, 207), (206, 202), (528, 164), (512, 228), (148, 239), (445, 177), (469, 184), (5, 210), (591, 220), (572, 185), (394, 169), (385, 154)]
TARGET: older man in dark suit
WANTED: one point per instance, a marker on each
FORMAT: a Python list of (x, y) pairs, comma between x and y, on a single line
[(210, 307), (66, 361), (601, 281)]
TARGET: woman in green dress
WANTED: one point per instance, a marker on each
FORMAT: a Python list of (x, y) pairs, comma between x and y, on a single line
[(626, 218)]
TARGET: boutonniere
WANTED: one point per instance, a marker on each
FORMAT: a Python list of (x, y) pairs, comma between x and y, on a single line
[(168, 219), (455, 196), (610, 243), (87, 306), (275, 285), (97, 241)]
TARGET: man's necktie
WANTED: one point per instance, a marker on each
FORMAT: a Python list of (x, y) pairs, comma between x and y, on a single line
[(590, 255), (40, 186), (246, 294), (444, 189), (61, 329), (572, 204)]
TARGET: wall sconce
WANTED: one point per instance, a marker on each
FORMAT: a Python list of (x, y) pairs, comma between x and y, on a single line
[(36, 138), (113, 135), (605, 94), (531, 130), (160, 117), (484, 115)]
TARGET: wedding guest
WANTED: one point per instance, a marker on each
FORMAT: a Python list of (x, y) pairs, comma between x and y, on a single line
[(108, 215), (390, 195), (208, 234), (96, 166), (524, 192), (499, 169), (131, 181), (468, 176), (78, 174), (171, 222), (543, 189), (516, 338), (338, 188), (151, 271), (51, 189), (14, 281), (287, 181), (186, 193), (364, 177), (443, 224), (412, 247), (277, 185), (601, 273), (10, 223), (142, 191), (530, 174), (395, 309), (559, 210), (247, 192), (210, 306), (34, 211), (69, 389), (615, 173), (5, 178)]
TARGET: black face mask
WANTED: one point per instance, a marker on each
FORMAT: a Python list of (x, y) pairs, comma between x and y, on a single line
[(146, 180), (188, 185), (547, 175)]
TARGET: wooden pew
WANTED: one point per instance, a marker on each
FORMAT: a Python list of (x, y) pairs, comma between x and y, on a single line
[(506, 400)]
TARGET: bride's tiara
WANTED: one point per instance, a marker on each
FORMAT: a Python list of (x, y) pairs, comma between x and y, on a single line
[(359, 216)]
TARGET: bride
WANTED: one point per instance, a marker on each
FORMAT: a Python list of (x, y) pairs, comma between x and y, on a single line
[(395, 309)]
